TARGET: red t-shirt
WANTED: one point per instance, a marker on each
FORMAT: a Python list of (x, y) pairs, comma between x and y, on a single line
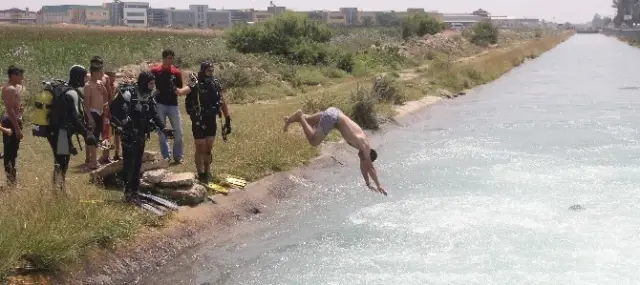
[(167, 79)]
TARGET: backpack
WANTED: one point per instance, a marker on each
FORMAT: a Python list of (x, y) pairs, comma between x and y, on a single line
[(121, 102), (50, 106), (205, 88)]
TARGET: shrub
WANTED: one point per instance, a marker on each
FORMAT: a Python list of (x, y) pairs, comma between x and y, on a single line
[(294, 36), (388, 89), (420, 25), (485, 33), (363, 108), (240, 77), (345, 61)]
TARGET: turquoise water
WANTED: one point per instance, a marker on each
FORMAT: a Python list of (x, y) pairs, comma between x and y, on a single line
[(480, 189)]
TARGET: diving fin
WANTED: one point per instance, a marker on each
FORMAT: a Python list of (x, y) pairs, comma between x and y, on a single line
[(217, 188), (236, 182)]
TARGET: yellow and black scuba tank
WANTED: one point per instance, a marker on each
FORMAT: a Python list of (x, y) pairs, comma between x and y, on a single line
[(44, 104)]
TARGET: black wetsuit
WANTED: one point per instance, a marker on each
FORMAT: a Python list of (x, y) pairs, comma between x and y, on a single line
[(134, 117), (60, 133), (203, 105)]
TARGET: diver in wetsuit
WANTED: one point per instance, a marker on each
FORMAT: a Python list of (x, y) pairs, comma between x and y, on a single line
[(203, 104), (66, 119), (134, 116)]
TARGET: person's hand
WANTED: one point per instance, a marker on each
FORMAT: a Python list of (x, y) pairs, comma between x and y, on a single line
[(90, 140), (381, 190), (193, 80), (377, 189), (227, 125), (168, 132)]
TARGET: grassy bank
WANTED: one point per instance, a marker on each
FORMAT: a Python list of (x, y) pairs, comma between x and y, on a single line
[(51, 233)]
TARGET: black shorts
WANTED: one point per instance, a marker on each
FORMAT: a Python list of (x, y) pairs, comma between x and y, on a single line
[(204, 128), (97, 131)]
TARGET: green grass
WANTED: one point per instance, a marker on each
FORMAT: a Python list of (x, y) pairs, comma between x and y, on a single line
[(53, 233)]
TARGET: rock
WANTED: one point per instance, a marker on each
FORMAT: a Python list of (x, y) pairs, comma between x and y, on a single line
[(154, 176), (184, 196), (156, 164), (146, 186), (177, 180), (115, 167)]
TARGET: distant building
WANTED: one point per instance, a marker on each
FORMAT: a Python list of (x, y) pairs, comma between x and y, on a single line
[(241, 16), (335, 18), (464, 20), (157, 17), (276, 10), (135, 14), (367, 18), (18, 16), (181, 18), (260, 16), (97, 15), (351, 15), (74, 14), (199, 14), (219, 18), (116, 13)]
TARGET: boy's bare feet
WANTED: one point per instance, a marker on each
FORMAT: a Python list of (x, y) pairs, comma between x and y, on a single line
[(293, 118)]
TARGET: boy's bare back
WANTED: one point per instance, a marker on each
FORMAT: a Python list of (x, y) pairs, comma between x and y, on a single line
[(351, 132)]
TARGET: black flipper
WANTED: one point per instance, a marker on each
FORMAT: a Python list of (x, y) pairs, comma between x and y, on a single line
[(161, 201), (136, 200)]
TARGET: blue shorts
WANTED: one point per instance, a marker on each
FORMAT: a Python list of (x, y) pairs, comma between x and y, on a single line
[(328, 120)]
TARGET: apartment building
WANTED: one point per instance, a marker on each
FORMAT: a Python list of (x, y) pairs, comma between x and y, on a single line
[(135, 14), (18, 16)]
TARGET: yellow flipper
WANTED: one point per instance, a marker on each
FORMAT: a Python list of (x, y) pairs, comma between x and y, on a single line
[(217, 188), (236, 182)]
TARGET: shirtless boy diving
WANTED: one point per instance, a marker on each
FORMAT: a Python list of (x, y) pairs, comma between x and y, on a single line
[(316, 127)]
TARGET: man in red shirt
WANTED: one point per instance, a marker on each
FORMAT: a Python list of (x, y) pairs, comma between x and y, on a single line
[(168, 87)]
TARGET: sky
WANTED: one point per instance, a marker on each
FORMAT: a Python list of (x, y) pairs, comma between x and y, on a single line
[(575, 11)]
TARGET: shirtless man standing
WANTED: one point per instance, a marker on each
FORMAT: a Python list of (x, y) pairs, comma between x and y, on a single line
[(331, 118), (12, 120), (94, 94)]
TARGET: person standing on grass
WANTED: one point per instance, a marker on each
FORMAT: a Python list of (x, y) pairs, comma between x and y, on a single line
[(203, 104), (98, 61), (94, 94), (168, 81), (134, 115), (112, 86), (12, 120), (325, 121), (66, 120)]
